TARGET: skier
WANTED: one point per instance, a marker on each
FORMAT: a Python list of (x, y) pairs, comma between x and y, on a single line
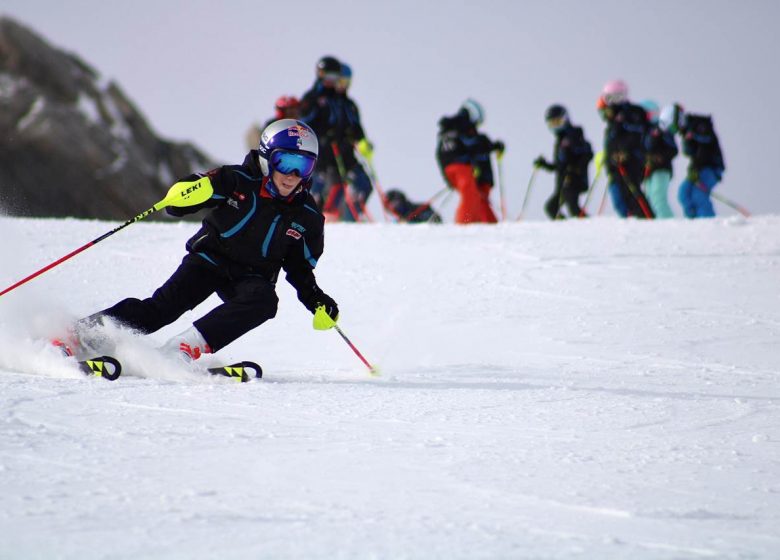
[(660, 151), (261, 219), (624, 153), (319, 110), (571, 155), (410, 212), (285, 107), (358, 185), (463, 155), (705, 170)]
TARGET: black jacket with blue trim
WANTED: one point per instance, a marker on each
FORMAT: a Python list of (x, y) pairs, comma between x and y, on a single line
[(247, 232)]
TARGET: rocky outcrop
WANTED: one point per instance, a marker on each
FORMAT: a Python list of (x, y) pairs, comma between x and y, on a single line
[(73, 145)]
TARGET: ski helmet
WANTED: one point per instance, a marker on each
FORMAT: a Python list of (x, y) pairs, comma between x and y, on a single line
[(288, 146), (614, 92), (651, 109), (475, 111), (286, 106), (670, 117), (556, 117), (329, 70)]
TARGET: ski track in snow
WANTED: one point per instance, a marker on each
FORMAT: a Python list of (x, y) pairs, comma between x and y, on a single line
[(590, 389)]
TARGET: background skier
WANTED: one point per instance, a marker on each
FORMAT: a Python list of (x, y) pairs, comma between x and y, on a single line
[(624, 152), (463, 155), (358, 185), (706, 167), (408, 211), (660, 151), (571, 155), (319, 110)]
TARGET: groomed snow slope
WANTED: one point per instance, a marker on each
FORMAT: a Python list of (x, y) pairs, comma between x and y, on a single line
[(591, 389)]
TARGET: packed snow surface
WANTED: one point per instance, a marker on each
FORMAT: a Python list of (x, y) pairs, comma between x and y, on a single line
[(589, 389)]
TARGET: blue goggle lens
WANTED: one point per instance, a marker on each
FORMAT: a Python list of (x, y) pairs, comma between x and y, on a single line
[(293, 162)]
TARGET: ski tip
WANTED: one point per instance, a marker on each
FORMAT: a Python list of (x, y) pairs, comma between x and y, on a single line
[(241, 371), (106, 367)]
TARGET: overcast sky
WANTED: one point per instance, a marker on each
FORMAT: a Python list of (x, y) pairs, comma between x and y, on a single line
[(204, 71)]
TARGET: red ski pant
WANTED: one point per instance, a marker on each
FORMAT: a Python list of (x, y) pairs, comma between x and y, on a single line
[(474, 204)]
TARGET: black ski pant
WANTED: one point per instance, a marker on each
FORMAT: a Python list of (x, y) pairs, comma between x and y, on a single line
[(568, 188), (249, 301)]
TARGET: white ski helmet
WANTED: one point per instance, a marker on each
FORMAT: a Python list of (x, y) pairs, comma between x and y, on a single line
[(670, 117), (289, 135), (475, 111)]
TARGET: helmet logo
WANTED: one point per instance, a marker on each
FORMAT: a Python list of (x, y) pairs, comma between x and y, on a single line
[(298, 130)]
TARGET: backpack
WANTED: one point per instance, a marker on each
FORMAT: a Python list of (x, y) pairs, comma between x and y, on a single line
[(700, 142), (626, 130)]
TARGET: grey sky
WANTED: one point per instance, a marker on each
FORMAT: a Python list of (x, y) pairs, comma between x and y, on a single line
[(204, 71)]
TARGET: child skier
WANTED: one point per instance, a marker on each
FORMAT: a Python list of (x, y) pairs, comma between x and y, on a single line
[(706, 167), (571, 156), (262, 219), (660, 151), (463, 155), (623, 150)]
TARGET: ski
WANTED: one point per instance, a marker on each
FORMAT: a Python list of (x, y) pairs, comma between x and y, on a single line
[(106, 367), (240, 371)]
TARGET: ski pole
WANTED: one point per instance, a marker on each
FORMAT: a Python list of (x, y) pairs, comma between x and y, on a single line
[(583, 212), (446, 199), (527, 192), (371, 369), (604, 199), (425, 205), (723, 199), (500, 168), (368, 166), (636, 193), (182, 194)]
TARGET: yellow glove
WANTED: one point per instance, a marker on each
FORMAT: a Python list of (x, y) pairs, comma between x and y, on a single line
[(366, 149), (599, 160), (322, 320), (188, 193)]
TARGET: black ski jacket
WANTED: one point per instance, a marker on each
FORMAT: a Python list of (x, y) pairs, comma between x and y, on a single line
[(624, 135), (248, 232), (661, 149)]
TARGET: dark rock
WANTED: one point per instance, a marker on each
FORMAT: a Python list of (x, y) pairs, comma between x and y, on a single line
[(70, 146)]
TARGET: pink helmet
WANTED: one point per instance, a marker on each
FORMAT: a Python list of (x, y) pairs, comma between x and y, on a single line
[(614, 92)]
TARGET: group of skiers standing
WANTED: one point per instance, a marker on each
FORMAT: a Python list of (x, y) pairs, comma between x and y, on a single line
[(639, 147)]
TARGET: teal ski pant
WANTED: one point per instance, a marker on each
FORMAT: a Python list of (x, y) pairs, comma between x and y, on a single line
[(657, 189)]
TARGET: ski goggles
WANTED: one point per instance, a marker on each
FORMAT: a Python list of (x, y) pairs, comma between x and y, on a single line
[(556, 122), (331, 78), (614, 98), (293, 162)]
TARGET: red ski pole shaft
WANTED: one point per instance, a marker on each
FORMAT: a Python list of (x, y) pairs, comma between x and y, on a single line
[(425, 205), (183, 193), (77, 251), (371, 368)]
